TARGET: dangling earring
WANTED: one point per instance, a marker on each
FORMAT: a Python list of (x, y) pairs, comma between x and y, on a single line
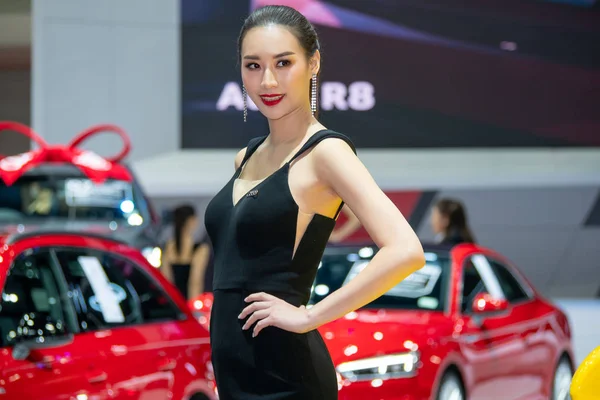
[(313, 96), (245, 96)]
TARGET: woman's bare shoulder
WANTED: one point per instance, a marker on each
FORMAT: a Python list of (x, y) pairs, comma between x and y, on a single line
[(239, 157)]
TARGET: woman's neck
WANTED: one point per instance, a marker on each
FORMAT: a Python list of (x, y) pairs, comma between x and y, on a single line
[(291, 129)]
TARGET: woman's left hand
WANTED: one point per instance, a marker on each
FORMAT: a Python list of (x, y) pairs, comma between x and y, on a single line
[(268, 310)]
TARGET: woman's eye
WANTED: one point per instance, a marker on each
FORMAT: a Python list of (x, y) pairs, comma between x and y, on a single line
[(283, 63), (252, 66)]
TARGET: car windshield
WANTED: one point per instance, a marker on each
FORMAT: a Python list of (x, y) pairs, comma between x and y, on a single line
[(425, 289), (45, 197)]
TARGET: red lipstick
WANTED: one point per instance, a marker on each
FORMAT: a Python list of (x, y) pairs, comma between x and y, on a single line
[(271, 100)]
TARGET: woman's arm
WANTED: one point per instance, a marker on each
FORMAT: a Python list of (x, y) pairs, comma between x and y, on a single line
[(167, 259), (351, 225), (197, 270), (400, 251)]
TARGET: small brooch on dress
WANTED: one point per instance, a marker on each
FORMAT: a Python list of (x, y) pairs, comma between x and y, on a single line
[(252, 193)]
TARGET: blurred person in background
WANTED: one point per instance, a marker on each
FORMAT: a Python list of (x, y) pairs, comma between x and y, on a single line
[(185, 261), (449, 222)]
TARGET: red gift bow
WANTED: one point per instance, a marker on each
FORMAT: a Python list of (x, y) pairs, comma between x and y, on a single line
[(95, 167)]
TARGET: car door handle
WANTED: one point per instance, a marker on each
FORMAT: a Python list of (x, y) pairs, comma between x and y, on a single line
[(96, 376), (167, 364)]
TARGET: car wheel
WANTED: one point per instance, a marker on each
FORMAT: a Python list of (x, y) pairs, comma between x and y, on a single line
[(451, 388), (562, 380)]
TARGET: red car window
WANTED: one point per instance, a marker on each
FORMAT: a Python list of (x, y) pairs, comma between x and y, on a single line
[(32, 303), (510, 286), (472, 285), (426, 289), (112, 291)]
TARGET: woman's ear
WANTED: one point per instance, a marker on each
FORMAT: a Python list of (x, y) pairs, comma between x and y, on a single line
[(315, 63)]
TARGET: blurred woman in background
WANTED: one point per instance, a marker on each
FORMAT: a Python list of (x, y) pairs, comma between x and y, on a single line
[(449, 222), (185, 261)]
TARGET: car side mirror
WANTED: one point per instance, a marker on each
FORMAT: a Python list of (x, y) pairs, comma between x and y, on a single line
[(201, 307), (484, 304)]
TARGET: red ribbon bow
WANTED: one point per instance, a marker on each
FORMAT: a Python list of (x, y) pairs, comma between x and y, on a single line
[(95, 167)]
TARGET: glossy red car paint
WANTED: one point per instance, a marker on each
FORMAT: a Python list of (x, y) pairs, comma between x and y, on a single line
[(169, 359), (498, 350)]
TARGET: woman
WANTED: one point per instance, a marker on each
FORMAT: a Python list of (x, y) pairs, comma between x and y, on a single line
[(449, 222), (184, 261), (270, 224)]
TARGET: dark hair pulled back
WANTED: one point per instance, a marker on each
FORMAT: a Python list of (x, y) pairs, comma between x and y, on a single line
[(458, 224), (290, 18)]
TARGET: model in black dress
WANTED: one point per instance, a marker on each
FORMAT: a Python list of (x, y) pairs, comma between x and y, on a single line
[(253, 242), (270, 224)]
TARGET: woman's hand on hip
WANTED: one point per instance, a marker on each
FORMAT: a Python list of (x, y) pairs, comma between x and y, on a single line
[(268, 310)]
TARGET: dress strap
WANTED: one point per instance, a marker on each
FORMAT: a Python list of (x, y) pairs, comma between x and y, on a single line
[(251, 148), (319, 137)]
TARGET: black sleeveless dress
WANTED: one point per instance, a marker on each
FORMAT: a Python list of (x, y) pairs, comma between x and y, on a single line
[(181, 274), (253, 242)]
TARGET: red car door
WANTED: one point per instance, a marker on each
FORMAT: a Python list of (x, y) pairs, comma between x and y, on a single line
[(490, 343), (530, 319), (129, 315), (42, 356)]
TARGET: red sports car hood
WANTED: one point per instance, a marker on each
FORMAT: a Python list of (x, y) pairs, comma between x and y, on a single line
[(368, 333)]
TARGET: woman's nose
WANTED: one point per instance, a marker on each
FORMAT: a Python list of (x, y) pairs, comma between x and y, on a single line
[(269, 80)]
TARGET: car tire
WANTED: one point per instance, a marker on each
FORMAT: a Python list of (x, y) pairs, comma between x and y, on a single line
[(561, 384), (451, 388)]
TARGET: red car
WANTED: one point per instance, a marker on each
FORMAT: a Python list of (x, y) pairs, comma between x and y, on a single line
[(66, 186), (468, 325), (87, 317)]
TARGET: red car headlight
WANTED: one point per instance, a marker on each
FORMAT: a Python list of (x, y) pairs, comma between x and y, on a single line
[(403, 365)]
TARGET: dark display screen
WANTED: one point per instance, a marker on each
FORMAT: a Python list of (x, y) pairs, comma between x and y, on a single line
[(410, 73)]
